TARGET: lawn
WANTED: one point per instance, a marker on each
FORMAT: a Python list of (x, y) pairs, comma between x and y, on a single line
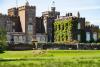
[(50, 58)]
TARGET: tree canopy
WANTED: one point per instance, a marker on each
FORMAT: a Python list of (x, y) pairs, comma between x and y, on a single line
[(3, 39)]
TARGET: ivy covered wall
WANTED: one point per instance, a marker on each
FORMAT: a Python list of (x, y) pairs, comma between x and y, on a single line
[(63, 30), (72, 29)]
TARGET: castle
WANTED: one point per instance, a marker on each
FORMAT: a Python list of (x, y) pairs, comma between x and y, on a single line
[(74, 28), (23, 26)]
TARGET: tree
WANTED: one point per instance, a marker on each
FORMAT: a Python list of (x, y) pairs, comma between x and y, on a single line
[(3, 39)]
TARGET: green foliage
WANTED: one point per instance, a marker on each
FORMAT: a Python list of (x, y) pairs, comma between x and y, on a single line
[(63, 30), (2, 39)]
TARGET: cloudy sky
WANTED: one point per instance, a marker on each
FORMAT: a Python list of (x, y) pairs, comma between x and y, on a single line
[(90, 9)]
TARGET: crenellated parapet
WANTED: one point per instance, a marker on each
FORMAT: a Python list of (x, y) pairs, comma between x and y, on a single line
[(23, 7), (12, 9), (91, 27), (69, 14)]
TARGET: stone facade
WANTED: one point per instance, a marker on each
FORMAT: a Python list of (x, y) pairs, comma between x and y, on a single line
[(16, 24), (23, 19), (39, 25), (13, 12), (6, 23), (92, 33), (51, 13), (16, 37), (73, 28), (27, 16), (48, 20), (41, 38), (22, 23)]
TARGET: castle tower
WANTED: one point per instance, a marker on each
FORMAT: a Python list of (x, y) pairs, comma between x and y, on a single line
[(48, 20), (27, 16), (13, 12)]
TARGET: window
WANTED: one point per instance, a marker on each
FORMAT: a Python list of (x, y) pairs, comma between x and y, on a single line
[(87, 36), (13, 23), (13, 30), (20, 39), (16, 39), (24, 39), (79, 26), (30, 28), (30, 19), (78, 37), (95, 36), (45, 25)]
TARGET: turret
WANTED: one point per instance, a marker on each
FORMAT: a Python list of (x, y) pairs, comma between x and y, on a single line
[(27, 3), (53, 7), (78, 14)]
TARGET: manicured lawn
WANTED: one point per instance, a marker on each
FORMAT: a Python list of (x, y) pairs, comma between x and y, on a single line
[(51, 53), (50, 58), (16, 54)]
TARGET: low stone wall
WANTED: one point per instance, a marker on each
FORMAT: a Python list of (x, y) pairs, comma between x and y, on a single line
[(81, 46), (89, 46), (21, 46), (55, 46)]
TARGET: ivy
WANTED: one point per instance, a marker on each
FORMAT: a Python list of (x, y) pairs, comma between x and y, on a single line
[(63, 30)]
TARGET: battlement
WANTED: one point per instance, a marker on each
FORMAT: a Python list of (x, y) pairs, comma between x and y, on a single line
[(69, 14), (12, 9), (92, 27), (23, 7), (14, 16), (82, 18), (3, 15)]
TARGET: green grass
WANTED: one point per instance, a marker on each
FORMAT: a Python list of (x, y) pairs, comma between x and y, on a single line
[(16, 54), (50, 58)]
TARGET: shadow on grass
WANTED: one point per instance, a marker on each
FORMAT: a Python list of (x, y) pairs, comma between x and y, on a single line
[(1, 52)]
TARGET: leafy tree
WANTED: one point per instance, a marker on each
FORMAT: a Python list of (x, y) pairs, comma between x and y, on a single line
[(2, 39)]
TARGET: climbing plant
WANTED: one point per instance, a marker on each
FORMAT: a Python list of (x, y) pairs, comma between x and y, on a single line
[(63, 30)]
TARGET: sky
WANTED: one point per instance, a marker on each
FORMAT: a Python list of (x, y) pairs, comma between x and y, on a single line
[(90, 9)]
